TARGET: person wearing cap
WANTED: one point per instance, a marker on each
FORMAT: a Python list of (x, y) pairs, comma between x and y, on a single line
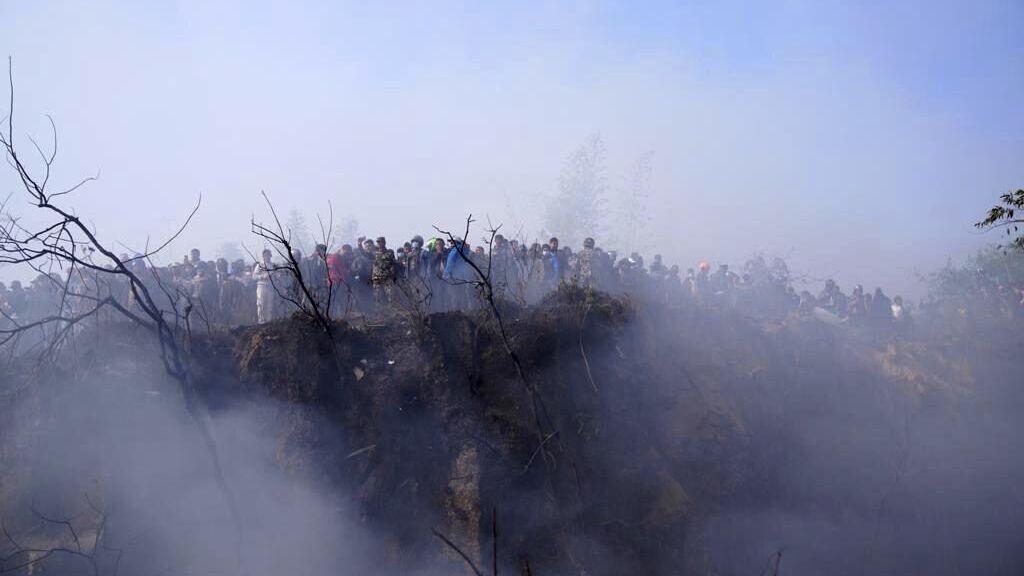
[(383, 274), (586, 261), (414, 258)]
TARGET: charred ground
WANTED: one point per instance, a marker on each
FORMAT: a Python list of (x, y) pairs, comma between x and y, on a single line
[(640, 439)]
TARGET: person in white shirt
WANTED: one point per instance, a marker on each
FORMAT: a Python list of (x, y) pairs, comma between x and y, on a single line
[(264, 289)]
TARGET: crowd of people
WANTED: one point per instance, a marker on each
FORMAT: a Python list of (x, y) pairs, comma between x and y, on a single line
[(435, 275)]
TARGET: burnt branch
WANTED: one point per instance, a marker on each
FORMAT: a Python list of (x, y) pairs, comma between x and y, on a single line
[(300, 295), (23, 556), (65, 241), (457, 550), (482, 281)]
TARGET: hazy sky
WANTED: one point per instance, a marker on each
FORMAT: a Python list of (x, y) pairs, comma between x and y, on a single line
[(859, 139)]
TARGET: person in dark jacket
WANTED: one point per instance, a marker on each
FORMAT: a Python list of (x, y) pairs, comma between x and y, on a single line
[(880, 310)]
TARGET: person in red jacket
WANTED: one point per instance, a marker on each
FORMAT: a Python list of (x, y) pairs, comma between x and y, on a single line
[(337, 279)]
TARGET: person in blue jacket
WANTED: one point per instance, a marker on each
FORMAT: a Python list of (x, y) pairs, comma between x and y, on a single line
[(560, 262), (457, 269), (459, 274)]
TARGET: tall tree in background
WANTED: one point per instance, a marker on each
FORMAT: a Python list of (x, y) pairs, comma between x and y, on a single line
[(577, 210), (1008, 214), (296, 227), (633, 226), (230, 252), (345, 232)]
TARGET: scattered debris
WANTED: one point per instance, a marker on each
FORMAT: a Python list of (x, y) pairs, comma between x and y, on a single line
[(360, 451)]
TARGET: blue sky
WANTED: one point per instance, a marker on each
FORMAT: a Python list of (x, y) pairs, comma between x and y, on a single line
[(859, 139)]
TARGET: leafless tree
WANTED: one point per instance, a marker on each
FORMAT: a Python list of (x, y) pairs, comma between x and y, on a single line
[(60, 240), (82, 539), (481, 281), (311, 301), (545, 429), (414, 298)]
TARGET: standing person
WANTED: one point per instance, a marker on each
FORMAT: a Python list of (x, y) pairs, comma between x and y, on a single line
[(901, 316), (723, 280), (880, 311), (459, 274), (318, 276), (362, 270), (702, 281), (265, 295), (218, 314), (633, 273), (246, 312), (4, 307), (833, 299), (568, 263), (550, 264), (400, 262), (297, 276), (230, 294), (206, 291), (434, 259), (856, 308), (672, 289), (192, 262), (586, 262), (558, 262), (690, 285), (658, 269), (501, 265), (533, 284), (522, 267), (414, 258), (383, 274), (335, 281), (340, 277)]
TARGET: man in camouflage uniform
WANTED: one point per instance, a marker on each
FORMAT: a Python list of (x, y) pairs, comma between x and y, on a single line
[(586, 265), (383, 274)]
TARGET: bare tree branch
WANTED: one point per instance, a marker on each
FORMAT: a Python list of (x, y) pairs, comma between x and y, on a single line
[(458, 551)]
